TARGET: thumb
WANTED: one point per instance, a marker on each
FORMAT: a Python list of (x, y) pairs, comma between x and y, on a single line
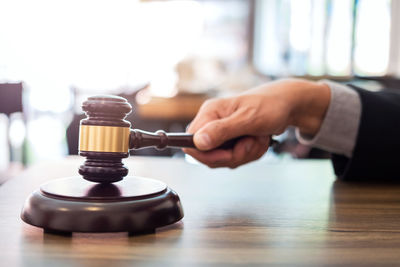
[(216, 132)]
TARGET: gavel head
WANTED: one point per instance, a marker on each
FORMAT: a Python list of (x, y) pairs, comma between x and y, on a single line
[(104, 138)]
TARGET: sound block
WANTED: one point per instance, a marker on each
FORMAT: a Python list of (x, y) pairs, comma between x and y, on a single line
[(135, 205)]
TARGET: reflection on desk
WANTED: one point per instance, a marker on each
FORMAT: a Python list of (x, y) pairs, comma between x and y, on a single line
[(289, 213)]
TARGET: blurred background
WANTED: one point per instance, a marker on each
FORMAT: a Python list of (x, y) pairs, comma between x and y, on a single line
[(167, 57)]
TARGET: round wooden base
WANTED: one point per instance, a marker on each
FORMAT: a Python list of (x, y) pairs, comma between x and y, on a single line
[(135, 205)]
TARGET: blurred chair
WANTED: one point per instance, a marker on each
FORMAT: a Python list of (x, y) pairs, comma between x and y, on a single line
[(10, 105), (10, 98), (5, 150)]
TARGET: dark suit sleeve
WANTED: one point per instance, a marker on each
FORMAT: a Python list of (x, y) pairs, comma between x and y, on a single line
[(376, 154)]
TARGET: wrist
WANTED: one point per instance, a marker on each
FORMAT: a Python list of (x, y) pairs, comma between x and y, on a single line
[(310, 103)]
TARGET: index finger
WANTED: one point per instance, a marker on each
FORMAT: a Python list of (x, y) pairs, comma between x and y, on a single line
[(206, 114)]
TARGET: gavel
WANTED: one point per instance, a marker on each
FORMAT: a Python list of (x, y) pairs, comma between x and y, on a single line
[(105, 138)]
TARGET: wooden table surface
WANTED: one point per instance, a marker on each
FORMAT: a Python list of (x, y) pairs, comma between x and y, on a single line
[(178, 108), (289, 213)]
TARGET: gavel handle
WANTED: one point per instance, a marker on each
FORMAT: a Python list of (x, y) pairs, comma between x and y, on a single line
[(160, 140)]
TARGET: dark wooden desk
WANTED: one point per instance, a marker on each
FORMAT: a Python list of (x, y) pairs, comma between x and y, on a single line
[(285, 213)]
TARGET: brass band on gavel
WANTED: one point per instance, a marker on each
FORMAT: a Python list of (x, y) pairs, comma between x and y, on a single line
[(104, 138)]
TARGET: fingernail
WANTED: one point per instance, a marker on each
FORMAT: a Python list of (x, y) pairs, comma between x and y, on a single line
[(202, 140), (249, 146)]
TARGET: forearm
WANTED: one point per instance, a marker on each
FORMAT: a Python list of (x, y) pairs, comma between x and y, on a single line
[(339, 128), (311, 105), (306, 101)]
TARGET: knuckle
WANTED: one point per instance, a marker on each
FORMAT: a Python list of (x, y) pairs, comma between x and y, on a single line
[(250, 114), (233, 166), (260, 154), (219, 126), (209, 103), (220, 130), (213, 166)]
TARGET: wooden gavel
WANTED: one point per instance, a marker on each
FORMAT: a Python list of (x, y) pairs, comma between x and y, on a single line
[(94, 139), (106, 137)]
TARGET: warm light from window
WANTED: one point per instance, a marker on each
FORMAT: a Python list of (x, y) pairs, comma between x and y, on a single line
[(93, 45)]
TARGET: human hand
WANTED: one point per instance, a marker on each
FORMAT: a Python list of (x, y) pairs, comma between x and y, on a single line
[(255, 115)]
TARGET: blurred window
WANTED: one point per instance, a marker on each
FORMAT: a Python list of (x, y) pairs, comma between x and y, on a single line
[(100, 46), (322, 37)]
